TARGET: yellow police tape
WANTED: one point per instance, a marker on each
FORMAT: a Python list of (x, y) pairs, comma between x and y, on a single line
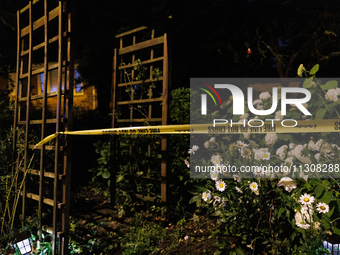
[(285, 126)]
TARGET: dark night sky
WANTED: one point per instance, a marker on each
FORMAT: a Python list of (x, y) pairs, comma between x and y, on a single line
[(208, 38)]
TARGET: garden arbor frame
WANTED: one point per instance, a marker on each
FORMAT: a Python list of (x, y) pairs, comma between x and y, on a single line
[(44, 45), (151, 48)]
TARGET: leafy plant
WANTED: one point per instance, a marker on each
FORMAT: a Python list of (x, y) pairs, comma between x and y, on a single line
[(143, 237), (279, 212)]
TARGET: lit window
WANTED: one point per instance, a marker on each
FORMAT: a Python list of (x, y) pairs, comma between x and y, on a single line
[(19, 89), (42, 82), (78, 85), (54, 81)]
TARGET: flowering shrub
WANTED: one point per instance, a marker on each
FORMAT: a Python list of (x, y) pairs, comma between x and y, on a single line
[(279, 212)]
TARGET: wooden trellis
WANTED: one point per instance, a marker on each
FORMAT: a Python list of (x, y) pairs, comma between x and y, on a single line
[(43, 105), (140, 96)]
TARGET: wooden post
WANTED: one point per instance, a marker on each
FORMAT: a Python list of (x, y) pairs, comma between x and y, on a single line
[(113, 184)]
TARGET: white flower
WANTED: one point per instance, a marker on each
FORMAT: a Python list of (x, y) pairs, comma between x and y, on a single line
[(187, 163), (219, 168), (270, 138), (317, 156), (206, 144), (306, 199), (194, 148), (239, 190), (245, 152), (217, 198), (266, 155), (214, 175), (303, 218), (244, 116), (237, 178), (303, 104), (220, 185), (300, 221), (186, 237), (297, 151), (312, 146), (246, 136), (223, 202), (241, 144), (307, 212), (212, 139), (216, 159), (325, 148), (206, 195), (300, 70), (253, 186), (305, 159), (257, 192), (249, 246), (318, 144), (281, 152), (258, 171), (265, 95), (335, 146), (288, 183), (258, 154), (278, 115), (259, 107), (262, 153), (322, 207), (289, 160), (257, 101), (316, 225), (332, 95)]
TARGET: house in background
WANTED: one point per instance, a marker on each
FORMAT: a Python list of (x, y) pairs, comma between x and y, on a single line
[(84, 95)]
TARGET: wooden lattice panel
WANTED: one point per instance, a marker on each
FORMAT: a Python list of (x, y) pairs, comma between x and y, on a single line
[(43, 105), (140, 96)]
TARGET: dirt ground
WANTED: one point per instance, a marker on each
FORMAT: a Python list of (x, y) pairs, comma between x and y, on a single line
[(97, 228)]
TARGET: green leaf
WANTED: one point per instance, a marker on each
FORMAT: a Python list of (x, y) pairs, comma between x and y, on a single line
[(313, 159), (327, 197), (320, 113), (194, 199), (318, 191), (314, 69), (216, 213), (285, 137), (330, 85), (330, 213), (213, 234), (307, 83), (295, 115), (282, 209), (217, 252), (106, 174), (336, 230), (240, 251), (120, 178)]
